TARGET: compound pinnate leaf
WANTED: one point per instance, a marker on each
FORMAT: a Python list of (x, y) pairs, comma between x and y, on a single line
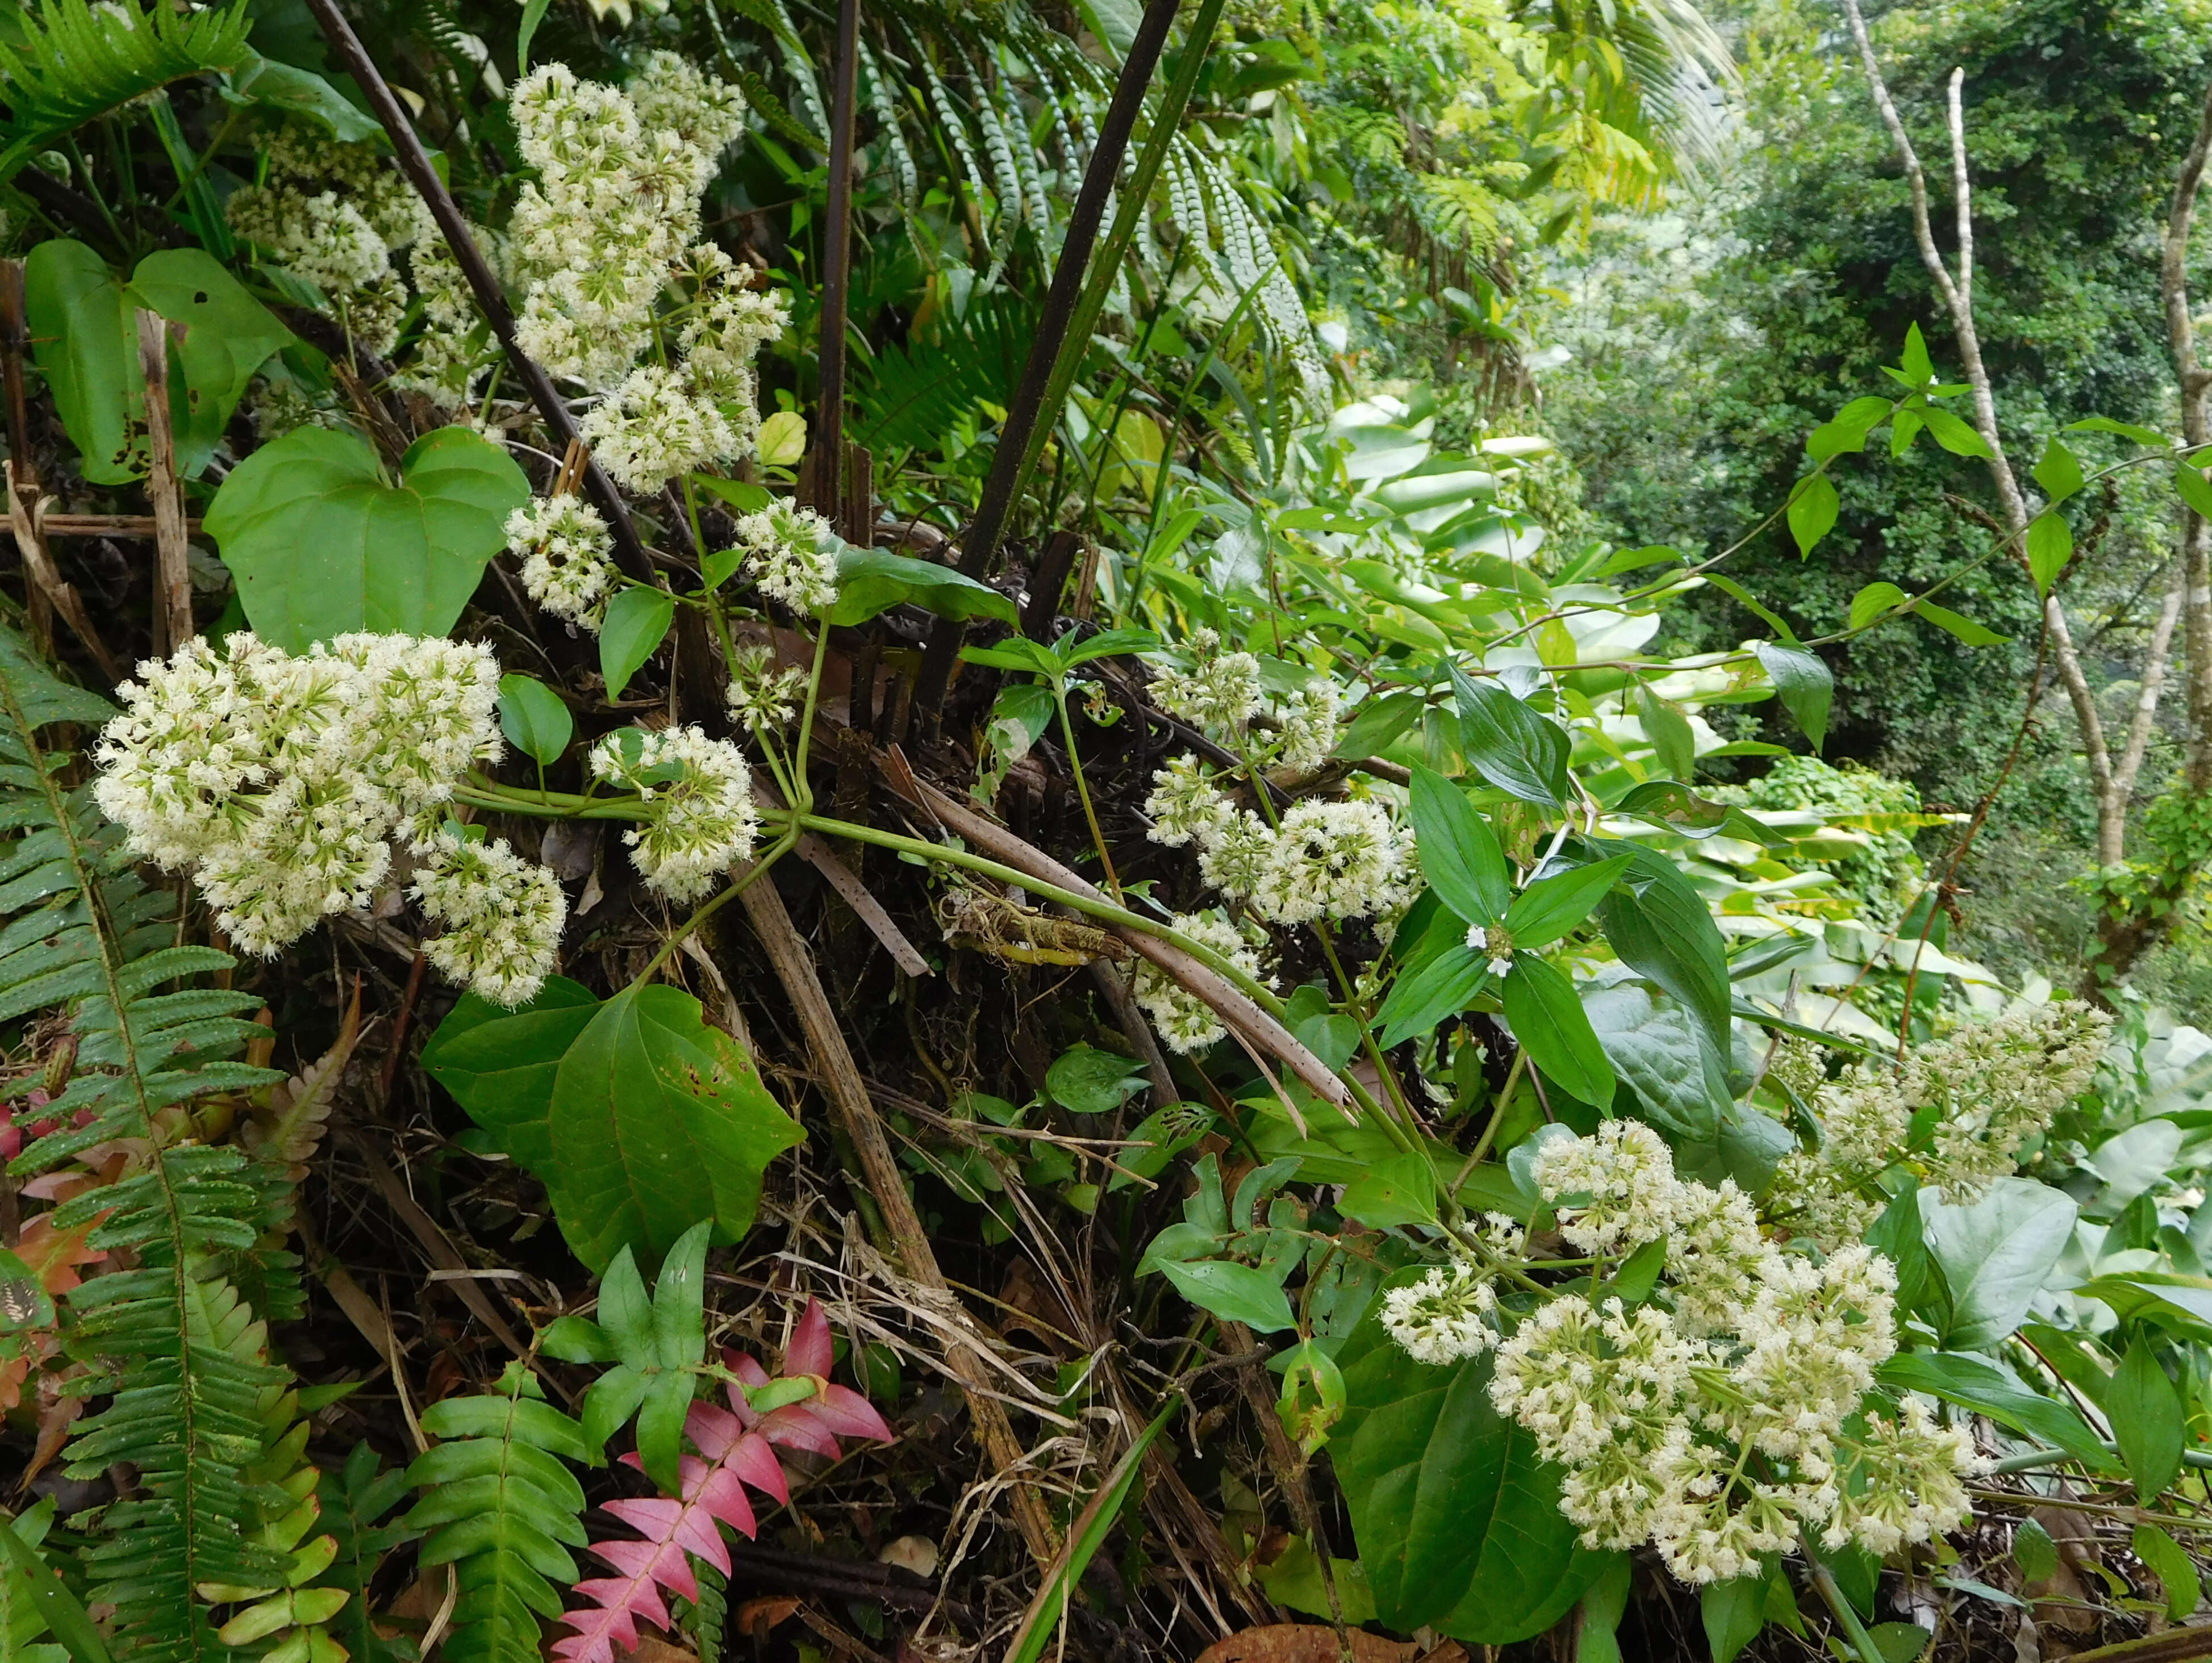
[(322, 544)]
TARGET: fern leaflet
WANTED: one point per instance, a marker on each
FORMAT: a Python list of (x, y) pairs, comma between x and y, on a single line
[(499, 1506), (77, 62)]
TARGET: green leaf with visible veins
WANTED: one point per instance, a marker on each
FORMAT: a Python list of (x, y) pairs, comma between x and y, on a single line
[(323, 544), (1457, 1519), (658, 1121)]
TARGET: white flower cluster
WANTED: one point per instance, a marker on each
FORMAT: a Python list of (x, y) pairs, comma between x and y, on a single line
[(607, 231), (568, 556), (1978, 1093), (336, 215), (279, 780), (1335, 860), (1185, 1022), (1445, 1317), (333, 215), (705, 819), (792, 555), (502, 916), (1220, 691), (763, 699), (1308, 733), (1709, 1421)]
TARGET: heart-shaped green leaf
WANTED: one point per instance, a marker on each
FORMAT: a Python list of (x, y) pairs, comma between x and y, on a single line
[(84, 338), (658, 1121), (322, 544)]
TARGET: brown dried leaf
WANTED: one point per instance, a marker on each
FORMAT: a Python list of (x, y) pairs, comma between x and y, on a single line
[(291, 1125)]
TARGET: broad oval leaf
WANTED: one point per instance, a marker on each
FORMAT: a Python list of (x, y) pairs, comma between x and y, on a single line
[(1231, 1291), (1457, 1519), (873, 581), (322, 545), (1460, 855), (636, 623), (1978, 1384), (2147, 1416), (658, 1121), (1511, 745), (1547, 1019), (1657, 1047), (1996, 1254), (532, 715), (499, 1064), (1804, 685), (1551, 906), (1812, 510)]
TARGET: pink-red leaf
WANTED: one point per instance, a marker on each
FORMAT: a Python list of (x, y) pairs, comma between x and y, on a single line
[(810, 1351), (735, 1450)]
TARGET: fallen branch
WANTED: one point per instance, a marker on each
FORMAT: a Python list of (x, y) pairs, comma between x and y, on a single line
[(841, 1081), (1212, 989)]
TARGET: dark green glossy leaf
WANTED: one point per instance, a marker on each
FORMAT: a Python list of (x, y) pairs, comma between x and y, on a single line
[(1460, 855), (533, 717), (1547, 1019), (637, 621), (1548, 908), (500, 1064), (873, 581), (1804, 685), (1518, 752), (1457, 1519), (2147, 1416)]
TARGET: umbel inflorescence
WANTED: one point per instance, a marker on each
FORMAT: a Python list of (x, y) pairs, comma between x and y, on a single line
[(1321, 860), (283, 782), (1728, 1415)]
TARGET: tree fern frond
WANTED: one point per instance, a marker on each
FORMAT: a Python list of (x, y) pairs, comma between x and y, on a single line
[(78, 61), (916, 392)]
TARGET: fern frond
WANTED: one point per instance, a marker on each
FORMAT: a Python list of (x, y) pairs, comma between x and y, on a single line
[(356, 1503), (190, 1384), (78, 61), (918, 390), (500, 1505), (673, 1530)]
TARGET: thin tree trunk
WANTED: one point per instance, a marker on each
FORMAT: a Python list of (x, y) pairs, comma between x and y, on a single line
[(1958, 297), (2123, 937)]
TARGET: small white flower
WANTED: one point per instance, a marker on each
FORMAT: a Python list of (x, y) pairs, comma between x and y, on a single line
[(793, 556), (566, 552), (1220, 691), (1186, 806), (1336, 860)]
